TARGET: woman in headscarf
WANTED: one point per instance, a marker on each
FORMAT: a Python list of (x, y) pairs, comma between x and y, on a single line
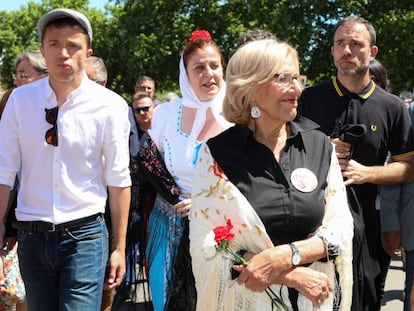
[(177, 131)]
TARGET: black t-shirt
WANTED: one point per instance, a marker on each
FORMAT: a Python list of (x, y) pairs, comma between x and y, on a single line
[(287, 213)]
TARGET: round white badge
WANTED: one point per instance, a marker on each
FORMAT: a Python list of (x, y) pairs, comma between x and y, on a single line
[(304, 180)]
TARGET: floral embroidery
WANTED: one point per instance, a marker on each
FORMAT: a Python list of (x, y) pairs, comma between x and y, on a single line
[(204, 212), (218, 171), (154, 164)]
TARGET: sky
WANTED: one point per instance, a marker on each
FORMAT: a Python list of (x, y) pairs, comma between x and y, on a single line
[(14, 5)]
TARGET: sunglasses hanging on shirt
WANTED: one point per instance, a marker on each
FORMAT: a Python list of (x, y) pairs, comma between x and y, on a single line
[(51, 135)]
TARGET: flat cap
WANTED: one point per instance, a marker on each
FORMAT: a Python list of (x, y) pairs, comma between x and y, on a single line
[(64, 13)]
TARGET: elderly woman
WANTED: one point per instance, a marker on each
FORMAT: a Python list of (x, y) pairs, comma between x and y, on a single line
[(30, 66), (270, 188)]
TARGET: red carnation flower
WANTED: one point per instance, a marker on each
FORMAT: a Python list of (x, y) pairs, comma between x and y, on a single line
[(200, 35), (223, 234)]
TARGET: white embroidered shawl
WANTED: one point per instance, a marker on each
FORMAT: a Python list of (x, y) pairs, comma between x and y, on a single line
[(215, 199)]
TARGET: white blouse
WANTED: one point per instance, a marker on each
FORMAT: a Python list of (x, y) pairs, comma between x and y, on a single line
[(173, 143)]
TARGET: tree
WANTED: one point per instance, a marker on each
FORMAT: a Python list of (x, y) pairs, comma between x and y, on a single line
[(18, 30), (144, 37), (136, 37)]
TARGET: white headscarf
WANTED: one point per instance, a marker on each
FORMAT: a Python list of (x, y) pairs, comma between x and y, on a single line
[(191, 100)]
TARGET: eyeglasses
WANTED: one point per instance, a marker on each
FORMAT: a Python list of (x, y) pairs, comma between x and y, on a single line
[(51, 135), (139, 109), (286, 79), (21, 76)]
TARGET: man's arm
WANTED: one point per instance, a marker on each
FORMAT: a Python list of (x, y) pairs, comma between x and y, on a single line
[(119, 202), (390, 201), (399, 172), (4, 202)]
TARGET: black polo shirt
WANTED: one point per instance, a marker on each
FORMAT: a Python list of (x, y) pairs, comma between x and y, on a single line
[(287, 213), (388, 130), (384, 115)]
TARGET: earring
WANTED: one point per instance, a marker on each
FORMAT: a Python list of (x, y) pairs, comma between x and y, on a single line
[(255, 112)]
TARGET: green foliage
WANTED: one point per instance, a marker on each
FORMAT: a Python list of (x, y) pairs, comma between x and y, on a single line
[(136, 37)]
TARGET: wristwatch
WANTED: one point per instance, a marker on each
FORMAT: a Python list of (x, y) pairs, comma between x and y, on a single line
[(296, 258)]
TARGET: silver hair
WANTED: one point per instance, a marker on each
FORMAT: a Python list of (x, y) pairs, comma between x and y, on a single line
[(100, 69), (35, 59)]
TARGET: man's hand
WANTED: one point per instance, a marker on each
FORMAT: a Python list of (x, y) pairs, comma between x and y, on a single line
[(3, 249), (391, 241), (116, 270), (119, 200), (4, 206), (354, 172), (342, 149)]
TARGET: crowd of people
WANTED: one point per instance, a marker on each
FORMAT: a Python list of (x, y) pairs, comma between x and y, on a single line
[(249, 192)]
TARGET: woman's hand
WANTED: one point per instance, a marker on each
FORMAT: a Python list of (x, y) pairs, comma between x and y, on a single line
[(183, 207), (313, 284), (264, 268)]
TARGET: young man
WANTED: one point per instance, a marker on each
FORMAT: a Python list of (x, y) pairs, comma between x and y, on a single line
[(69, 136), (382, 123)]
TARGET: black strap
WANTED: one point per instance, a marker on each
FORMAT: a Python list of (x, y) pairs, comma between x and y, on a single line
[(43, 226)]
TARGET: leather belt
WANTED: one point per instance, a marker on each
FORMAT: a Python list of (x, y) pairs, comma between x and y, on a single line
[(43, 226)]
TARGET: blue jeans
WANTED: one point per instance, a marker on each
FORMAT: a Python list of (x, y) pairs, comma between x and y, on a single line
[(64, 270), (409, 270)]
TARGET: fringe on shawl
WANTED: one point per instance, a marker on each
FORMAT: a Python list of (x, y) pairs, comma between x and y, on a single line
[(163, 224), (180, 293)]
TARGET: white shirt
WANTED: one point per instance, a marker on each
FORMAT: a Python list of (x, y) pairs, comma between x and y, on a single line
[(67, 182), (172, 143)]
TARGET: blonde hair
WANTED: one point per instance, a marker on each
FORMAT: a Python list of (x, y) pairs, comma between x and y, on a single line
[(253, 65)]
